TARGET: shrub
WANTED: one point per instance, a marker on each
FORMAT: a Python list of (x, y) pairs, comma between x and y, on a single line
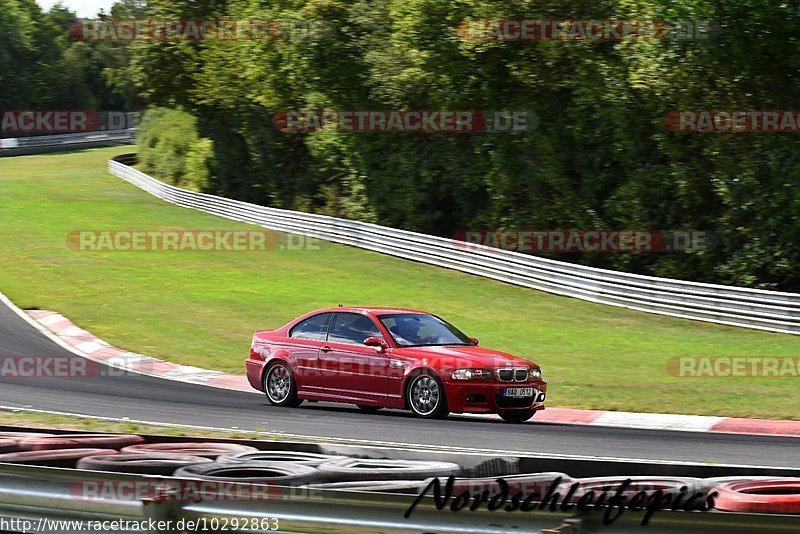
[(171, 148)]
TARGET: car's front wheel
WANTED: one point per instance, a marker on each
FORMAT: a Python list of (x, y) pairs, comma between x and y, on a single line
[(517, 416), (426, 397), (280, 387)]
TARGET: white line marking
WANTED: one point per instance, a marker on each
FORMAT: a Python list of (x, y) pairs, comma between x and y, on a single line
[(657, 421)]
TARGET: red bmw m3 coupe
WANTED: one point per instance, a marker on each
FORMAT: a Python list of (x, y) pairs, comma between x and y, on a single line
[(391, 358)]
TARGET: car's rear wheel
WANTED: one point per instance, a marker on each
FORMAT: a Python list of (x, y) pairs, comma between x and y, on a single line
[(426, 397), (280, 386), (517, 416)]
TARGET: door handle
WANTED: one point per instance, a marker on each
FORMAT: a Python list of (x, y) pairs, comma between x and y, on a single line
[(325, 348)]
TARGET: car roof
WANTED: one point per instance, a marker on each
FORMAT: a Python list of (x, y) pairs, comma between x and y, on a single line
[(375, 310)]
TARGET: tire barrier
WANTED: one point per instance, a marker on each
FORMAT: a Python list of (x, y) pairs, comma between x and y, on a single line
[(773, 496), (637, 484), (140, 463), (244, 465), (52, 457), (305, 458), (385, 486), (278, 473), (200, 448), (71, 441), (356, 469)]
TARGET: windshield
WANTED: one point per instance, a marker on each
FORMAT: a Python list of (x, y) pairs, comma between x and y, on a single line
[(418, 329)]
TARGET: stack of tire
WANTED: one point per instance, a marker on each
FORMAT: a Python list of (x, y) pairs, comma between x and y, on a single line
[(125, 453), (212, 461), (319, 471), (50, 450)]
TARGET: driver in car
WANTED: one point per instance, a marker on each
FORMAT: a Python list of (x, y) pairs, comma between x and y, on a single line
[(407, 333)]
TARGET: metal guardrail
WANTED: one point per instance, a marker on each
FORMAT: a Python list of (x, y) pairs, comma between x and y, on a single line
[(750, 308), (48, 494), (49, 143)]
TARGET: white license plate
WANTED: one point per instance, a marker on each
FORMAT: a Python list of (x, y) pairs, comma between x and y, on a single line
[(518, 392)]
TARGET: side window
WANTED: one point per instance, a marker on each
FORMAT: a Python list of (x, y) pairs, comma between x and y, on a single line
[(312, 328), (352, 328)]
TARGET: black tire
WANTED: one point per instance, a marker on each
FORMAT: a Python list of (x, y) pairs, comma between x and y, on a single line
[(516, 416), (525, 483), (355, 469), (415, 398), (209, 450), (280, 369), (8, 445), (22, 435), (278, 473), (76, 441), (383, 486), (368, 409), (304, 458), (52, 457), (140, 463)]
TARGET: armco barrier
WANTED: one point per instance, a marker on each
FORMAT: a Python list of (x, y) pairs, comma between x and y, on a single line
[(750, 308), (18, 146), (42, 495)]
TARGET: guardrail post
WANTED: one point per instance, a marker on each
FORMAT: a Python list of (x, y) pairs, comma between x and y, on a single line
[(162, 511)]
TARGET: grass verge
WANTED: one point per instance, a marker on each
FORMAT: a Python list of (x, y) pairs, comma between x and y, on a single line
[(90, 425)]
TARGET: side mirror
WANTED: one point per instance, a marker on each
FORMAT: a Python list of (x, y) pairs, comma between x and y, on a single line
[(474, 341), (377, 342)]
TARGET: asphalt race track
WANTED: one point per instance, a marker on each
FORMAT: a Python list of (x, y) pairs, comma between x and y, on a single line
[(152, 399)]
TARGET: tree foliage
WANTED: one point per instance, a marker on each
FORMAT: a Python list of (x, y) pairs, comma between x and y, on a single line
[(43, 67)]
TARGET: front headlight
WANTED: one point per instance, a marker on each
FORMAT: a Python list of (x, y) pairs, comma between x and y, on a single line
[(472, 374), (536, 373)]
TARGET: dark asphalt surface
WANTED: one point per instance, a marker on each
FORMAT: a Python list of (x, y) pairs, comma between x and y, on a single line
[(152, 399)]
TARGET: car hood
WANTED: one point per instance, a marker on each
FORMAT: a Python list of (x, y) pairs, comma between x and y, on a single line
[(464, 356)]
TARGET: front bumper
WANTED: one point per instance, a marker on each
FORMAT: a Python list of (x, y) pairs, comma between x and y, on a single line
[(469, 396)]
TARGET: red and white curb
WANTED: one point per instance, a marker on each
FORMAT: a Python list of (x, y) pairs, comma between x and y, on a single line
[(74, 338), (91, 347)]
